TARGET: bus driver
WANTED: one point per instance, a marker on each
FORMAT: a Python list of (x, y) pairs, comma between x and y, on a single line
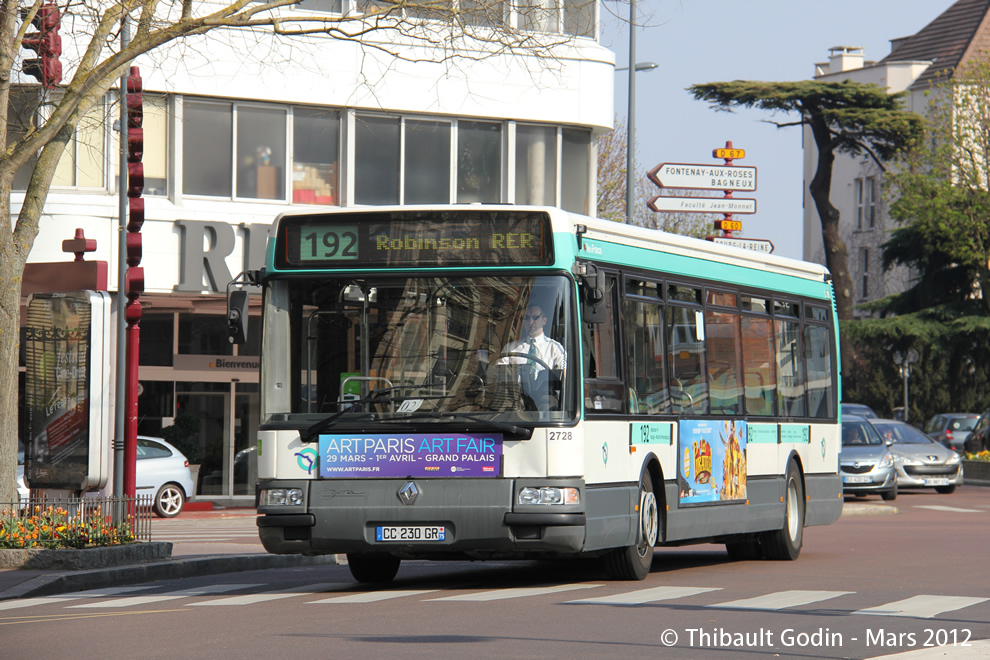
[(546, 353)]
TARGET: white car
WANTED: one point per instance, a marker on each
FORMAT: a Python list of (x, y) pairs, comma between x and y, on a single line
[(161, 469)]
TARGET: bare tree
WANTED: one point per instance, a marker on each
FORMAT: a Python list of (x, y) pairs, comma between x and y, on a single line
[(612, 192), (438, 31)]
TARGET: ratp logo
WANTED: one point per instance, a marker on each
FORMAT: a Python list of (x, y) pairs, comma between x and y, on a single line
[(307, 459)]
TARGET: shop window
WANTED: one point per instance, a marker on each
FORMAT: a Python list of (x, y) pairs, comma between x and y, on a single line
[(316, 158), (536, 165), (427, 162), (156, 345), (376, 164), (575, 167), (479, 162), (202, 334)]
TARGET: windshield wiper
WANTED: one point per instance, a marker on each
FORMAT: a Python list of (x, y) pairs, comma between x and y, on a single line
[(507, 427), (375, 396)]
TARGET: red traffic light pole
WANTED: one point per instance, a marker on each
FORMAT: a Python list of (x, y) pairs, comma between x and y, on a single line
[(47, 43), (134, 281)]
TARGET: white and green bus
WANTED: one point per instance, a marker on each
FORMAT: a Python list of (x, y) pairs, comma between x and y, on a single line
[(489, 382)]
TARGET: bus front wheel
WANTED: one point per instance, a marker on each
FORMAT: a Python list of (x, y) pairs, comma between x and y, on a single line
[(785, 543), (633, 562), (374, 568)]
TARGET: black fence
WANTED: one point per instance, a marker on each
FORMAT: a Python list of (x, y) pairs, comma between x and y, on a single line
[(79, 522)]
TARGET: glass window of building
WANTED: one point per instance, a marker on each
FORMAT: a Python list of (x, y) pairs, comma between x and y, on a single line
[(575, 167), (427, 162), (203, 334), (579, 17), (207, 145), (21, 117), (329, 6), (479, 162), (537, 15), (155, 158), (82, 163), (376, 163), (482, 12), (316, 158), (157, 332), (260, 152), (536, 165)]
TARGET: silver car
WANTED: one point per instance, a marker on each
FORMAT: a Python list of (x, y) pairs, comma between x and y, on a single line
[(919, 460), (866, 465)]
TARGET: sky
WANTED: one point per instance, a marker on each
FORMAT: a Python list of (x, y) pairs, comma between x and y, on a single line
[(702, 41)]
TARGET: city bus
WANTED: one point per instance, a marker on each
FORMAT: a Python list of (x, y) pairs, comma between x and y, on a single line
[(484, 382)]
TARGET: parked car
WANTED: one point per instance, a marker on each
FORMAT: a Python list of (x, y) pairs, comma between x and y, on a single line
[(866, 465), (161, 469), (979, 438), (860, 409), (920, 461), (952, 429)]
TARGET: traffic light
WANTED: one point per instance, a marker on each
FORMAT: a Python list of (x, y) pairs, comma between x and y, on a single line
[(47, 43)]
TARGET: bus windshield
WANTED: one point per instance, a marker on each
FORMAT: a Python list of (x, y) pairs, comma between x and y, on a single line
[(378, 350)]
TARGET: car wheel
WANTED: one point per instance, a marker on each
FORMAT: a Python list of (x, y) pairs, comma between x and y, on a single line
[(785, 543), (169, 501), (634, 562), (890, 495), (945, 490), (373, 568)]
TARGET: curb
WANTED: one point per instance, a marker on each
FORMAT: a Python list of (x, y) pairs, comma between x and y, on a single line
[(47, 585)]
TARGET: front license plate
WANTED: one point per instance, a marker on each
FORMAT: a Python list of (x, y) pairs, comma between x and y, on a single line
[(937, 481), (410, 533), (856, 480)]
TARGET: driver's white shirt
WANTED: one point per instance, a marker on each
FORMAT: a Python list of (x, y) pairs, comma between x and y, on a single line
[(548, 350)]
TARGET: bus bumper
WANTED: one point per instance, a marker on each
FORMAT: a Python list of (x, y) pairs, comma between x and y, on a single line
[(479, 517)]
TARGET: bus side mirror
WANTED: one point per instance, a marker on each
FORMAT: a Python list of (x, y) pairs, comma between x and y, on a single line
[(237, 313), (593, 295)]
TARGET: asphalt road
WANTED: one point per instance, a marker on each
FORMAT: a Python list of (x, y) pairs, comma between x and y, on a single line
[(866, 586)]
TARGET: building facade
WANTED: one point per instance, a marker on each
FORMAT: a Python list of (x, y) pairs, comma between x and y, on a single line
[(239, 130), (913, 65)]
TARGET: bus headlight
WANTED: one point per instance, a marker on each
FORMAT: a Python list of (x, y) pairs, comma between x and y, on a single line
[(282, 496), (549, 495)]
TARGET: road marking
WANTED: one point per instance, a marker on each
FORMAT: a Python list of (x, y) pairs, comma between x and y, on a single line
[(781, 599), (646, 596), (20, 621), (45, 600), (979, 648), (371, 596), (251, 599), (953, 509), (922, 607), (170, 595), (521, 592)]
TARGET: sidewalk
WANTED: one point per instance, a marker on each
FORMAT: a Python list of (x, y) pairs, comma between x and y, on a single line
[(189, 558)]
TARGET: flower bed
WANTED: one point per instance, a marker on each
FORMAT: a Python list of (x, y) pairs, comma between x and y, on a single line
[(55, 527), (976, 467)]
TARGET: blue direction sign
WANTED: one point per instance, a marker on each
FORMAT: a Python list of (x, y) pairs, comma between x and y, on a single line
[(704, 177)]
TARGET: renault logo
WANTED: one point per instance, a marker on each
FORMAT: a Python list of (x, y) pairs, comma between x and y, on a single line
[(409, 492)]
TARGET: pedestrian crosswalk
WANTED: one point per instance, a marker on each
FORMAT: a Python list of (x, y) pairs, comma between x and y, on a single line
[(920, 606)]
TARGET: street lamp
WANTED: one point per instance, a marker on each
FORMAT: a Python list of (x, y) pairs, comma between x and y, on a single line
[(905, 362), (631, 110)]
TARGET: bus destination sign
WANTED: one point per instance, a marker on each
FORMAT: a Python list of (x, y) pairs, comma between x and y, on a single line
[(413, 238)]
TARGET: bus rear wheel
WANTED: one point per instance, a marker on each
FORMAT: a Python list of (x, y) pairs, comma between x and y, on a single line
[(374, 568), (634, 562), (785, 543)]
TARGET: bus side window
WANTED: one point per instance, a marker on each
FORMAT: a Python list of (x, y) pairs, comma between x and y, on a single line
[(603, 389)]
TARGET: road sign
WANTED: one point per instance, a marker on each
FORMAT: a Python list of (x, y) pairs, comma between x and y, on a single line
[(755, 244), (729, 154), (728, 225), (702, 205), (704, 177)]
